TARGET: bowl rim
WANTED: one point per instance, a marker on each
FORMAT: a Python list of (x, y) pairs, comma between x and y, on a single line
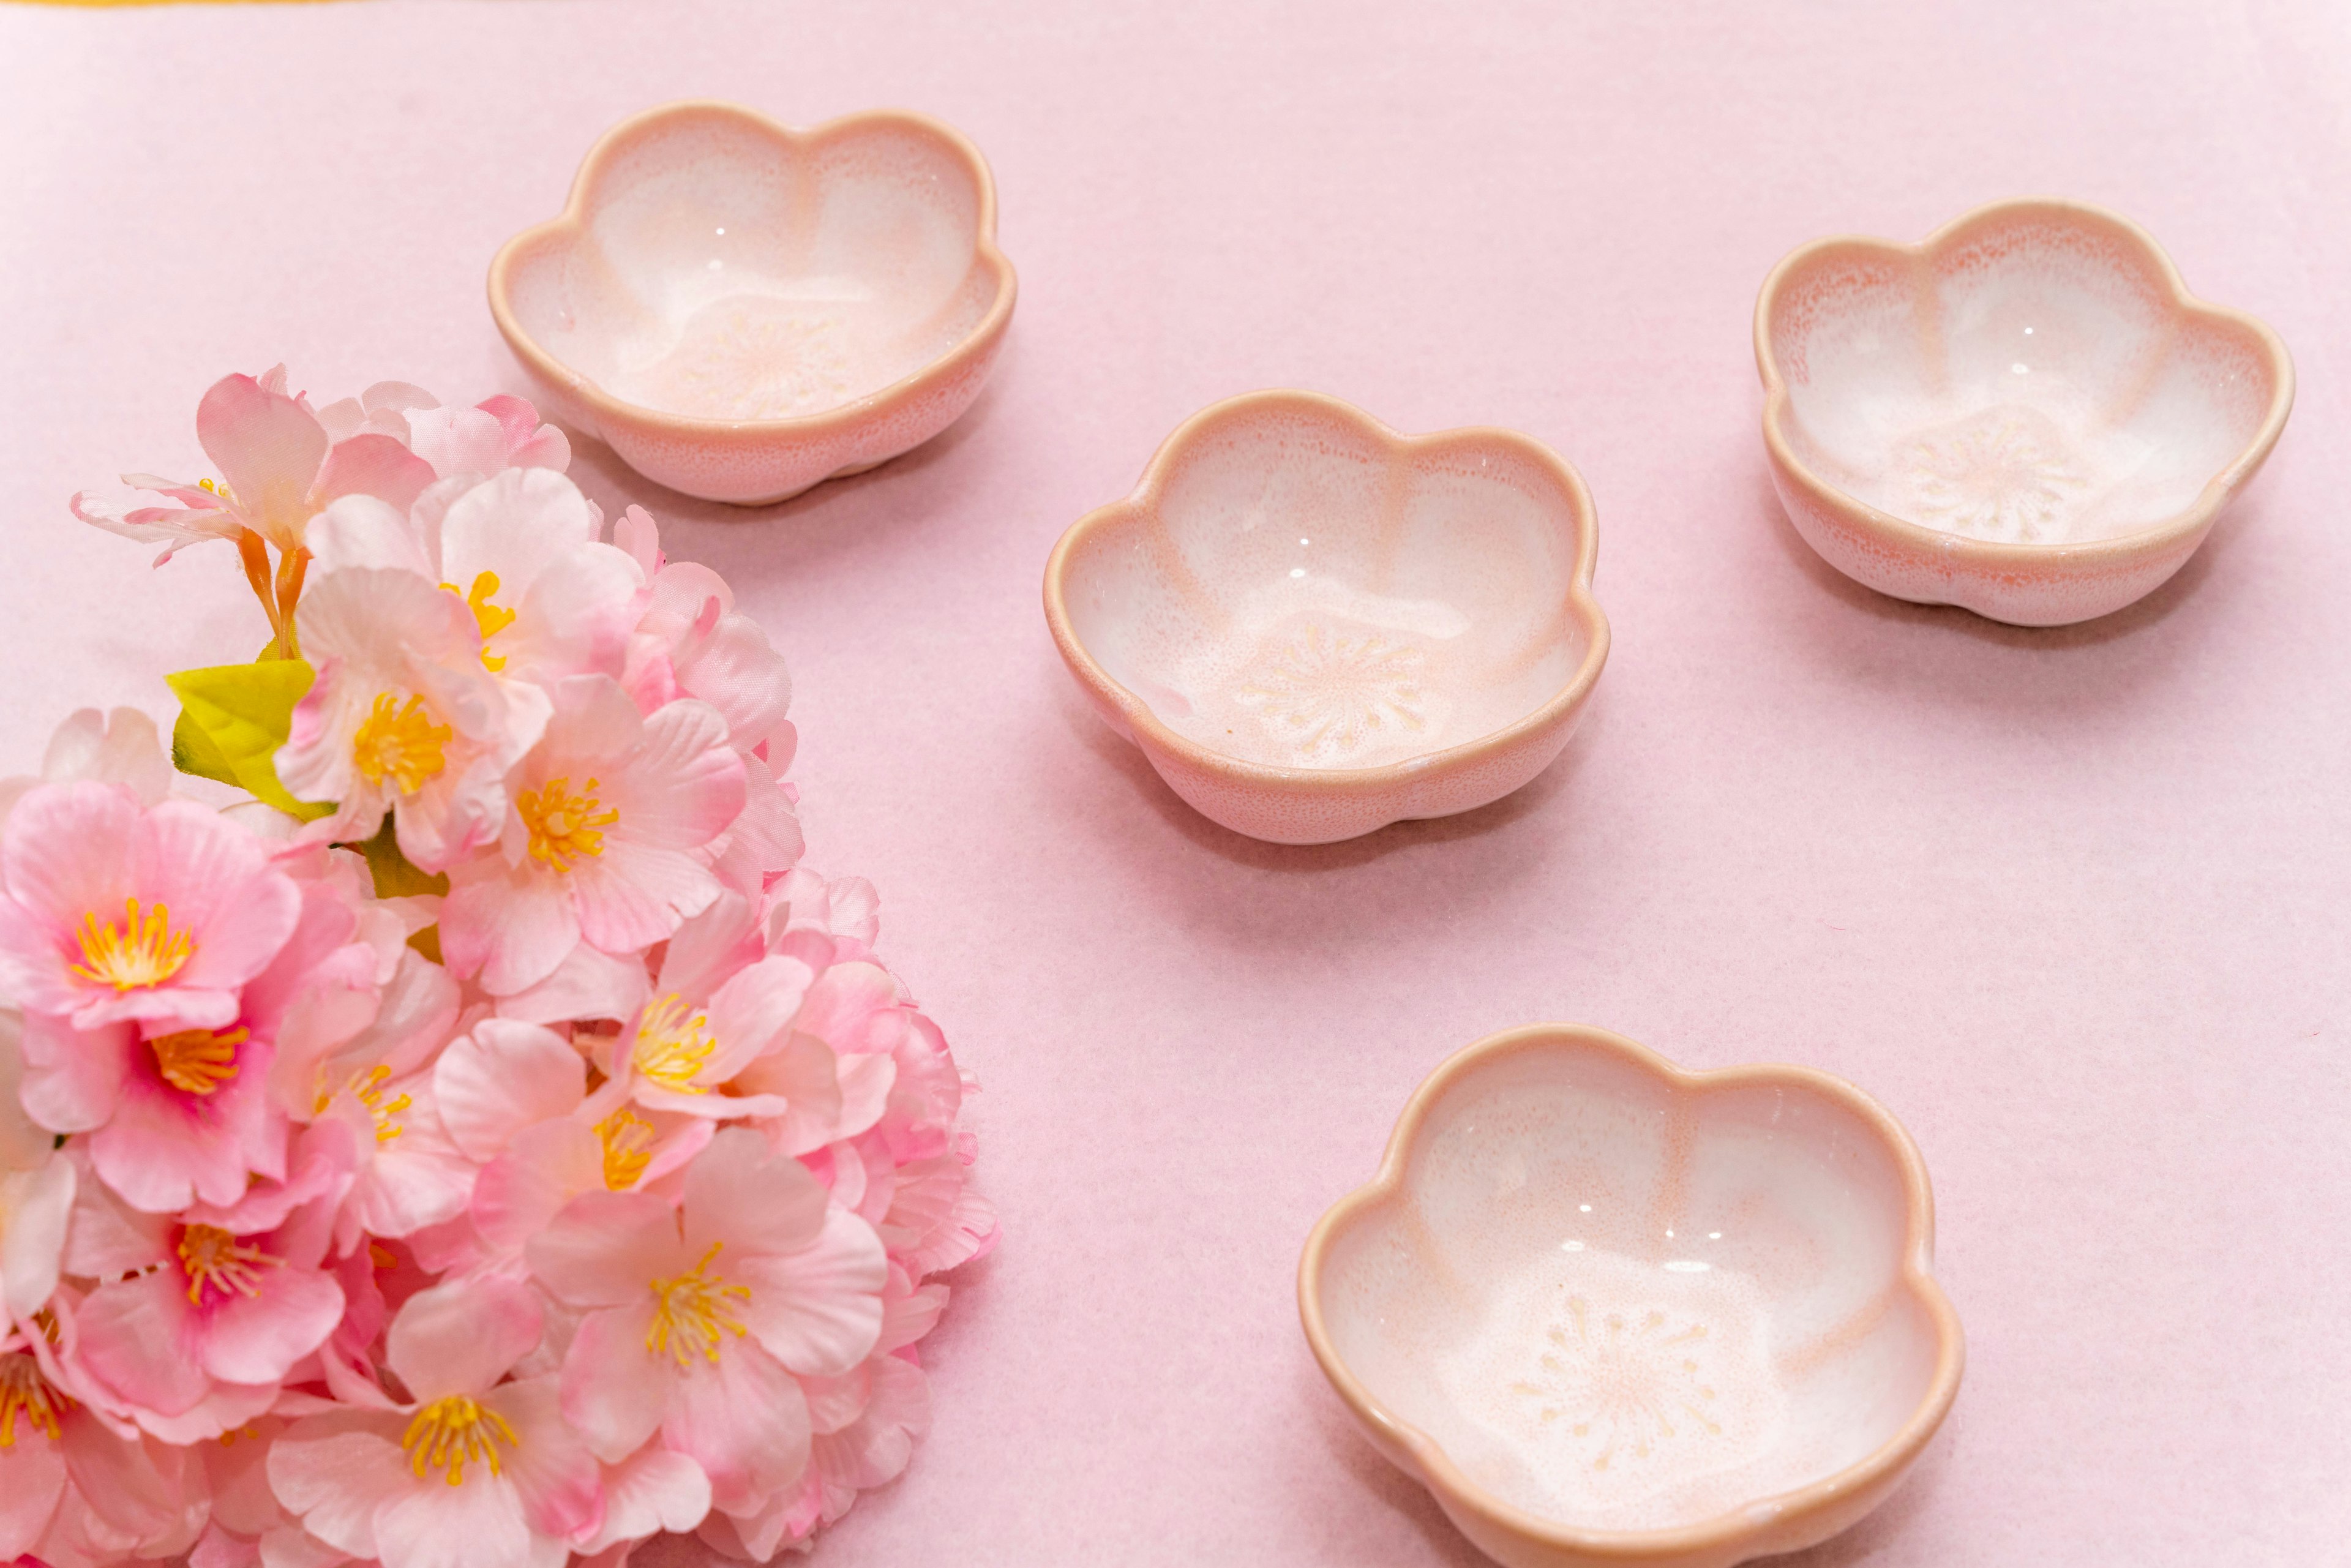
[(794, 143), (1996, 556), (1770, 1514), (1153, 732)]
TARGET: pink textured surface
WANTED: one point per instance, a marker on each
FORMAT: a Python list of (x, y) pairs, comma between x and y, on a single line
[(2074, 905)]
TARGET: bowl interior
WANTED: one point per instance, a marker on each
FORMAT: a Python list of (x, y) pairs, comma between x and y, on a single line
[(1300, 591), (1621, 1305), (722, 271), (2032, 380)]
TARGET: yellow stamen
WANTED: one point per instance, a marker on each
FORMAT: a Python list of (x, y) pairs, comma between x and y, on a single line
[(628, 1140), (216, 488), (382, 1256), (399, 743), (489, 618), (143, 951), (453, 1432), (197, 1061), (366, 1086), (693, 1310), (22, 1390), (563, 826), (670, 1047), (211, 1255)]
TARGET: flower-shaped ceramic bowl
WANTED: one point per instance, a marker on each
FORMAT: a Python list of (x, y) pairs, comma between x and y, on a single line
[(1314, 626), (1609, 1311), (742, 310), (2028, 415)]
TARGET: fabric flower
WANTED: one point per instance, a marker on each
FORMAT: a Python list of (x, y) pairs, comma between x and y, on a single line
[(404, 717), (204, 1314), (174, 1116), (690, 642), (110, 911), (278, 470), (494, 435), (520, 550), (515, 1096), (609, 811), (698, 1316), (74, 1491), (474, 1470)]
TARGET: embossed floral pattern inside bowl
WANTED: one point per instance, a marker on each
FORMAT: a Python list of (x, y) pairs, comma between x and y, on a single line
[(2028, 415), (1314, 626), (1611, 1311), (742, 310)]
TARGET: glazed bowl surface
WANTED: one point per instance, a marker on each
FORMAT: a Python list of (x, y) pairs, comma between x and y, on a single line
[(742, 310), (2027, 414), (1610, 1311), (1314, 626)]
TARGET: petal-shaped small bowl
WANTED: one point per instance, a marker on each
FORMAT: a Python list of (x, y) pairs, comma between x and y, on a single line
[(1314, 626), (1610, 1312), (742, 310), (2028, 415)]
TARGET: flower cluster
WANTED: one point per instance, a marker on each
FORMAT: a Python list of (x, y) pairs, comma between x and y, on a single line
[(480, 1140)]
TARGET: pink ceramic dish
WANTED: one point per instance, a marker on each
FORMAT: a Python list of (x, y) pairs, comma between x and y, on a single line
[(1314, 626), (742, 310), (1609, 1311), (2028, 415)]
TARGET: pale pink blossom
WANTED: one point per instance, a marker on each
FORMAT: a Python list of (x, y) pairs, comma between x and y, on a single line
[(383, 409), (866, 1424), (110, 911), (520, 550), (611, 812), (203, 1315), (698, 1316), (692, 642), (515, 1096), (117, 747), (75, 1491), (278, 469), (719, 1008), (473, 1470), (405, 718), (494, 435)]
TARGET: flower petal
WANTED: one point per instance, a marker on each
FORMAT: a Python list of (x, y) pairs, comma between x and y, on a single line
[(819, 1311), (462, 1337)]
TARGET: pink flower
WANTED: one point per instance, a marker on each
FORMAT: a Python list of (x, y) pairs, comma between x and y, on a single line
[(719, 1007), (278, 469), (405, 718), (494, 435), (175, 1115), (74, 1492), (692, 643), (520, 551), (698, 1317), (110, 911), (475, 1470), (36, 1188), (383, 409), (515, 1096), (608, 812), (866, 1425), (116, 748), (203, 1314)]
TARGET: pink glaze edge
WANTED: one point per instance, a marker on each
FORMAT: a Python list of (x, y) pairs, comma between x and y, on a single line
[(967, 362), (1223, 787), (1863, 542), (1786, 1522)]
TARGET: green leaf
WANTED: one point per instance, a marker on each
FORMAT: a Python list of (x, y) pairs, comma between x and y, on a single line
[(395, 876), (233, 718)]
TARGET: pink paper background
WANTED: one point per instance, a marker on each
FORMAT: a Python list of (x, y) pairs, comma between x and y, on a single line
[(2073, 903)]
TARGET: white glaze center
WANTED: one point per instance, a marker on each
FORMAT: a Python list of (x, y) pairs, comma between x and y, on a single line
[(1609, 1390)]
